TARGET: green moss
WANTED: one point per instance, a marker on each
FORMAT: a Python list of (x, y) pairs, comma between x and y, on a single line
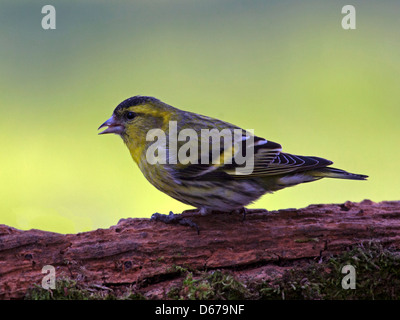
[(177, 269), (209, 286), (68, 289), (377, 277), (134, 296)]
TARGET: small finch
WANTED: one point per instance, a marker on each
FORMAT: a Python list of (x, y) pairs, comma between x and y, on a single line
[(213, 182)]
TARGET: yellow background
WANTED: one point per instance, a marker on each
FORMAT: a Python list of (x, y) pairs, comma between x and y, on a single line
[(283, 68)]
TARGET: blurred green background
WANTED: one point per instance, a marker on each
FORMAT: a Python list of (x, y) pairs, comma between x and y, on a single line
[(286, 69)]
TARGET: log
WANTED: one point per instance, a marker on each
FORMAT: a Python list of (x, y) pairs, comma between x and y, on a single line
[(145, 253)]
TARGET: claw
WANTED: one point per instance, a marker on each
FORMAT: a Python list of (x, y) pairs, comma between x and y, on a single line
[(174, 218)]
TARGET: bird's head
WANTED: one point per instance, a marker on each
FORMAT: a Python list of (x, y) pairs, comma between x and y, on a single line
[(135, 116)]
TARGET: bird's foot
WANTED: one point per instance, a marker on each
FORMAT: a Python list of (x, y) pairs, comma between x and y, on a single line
[(175, 218)]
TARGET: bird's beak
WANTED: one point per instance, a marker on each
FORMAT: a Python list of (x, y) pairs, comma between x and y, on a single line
[(113, 126)]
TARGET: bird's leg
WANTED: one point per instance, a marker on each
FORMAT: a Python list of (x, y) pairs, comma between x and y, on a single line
[(243, 211), (174, 218)]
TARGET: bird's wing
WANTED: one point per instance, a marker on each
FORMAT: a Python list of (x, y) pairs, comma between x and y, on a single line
[(266, 159), (229, 164), (286, 163)]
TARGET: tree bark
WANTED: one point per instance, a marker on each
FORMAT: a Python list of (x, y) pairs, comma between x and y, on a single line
[(144, 253)]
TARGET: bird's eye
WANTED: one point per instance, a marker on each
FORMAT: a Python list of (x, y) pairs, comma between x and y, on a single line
[(130, 115)]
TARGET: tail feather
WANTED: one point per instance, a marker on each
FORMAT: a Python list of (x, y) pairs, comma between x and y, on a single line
[(338, 174)]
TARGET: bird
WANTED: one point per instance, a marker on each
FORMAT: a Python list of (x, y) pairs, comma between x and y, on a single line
[(214, 180)]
